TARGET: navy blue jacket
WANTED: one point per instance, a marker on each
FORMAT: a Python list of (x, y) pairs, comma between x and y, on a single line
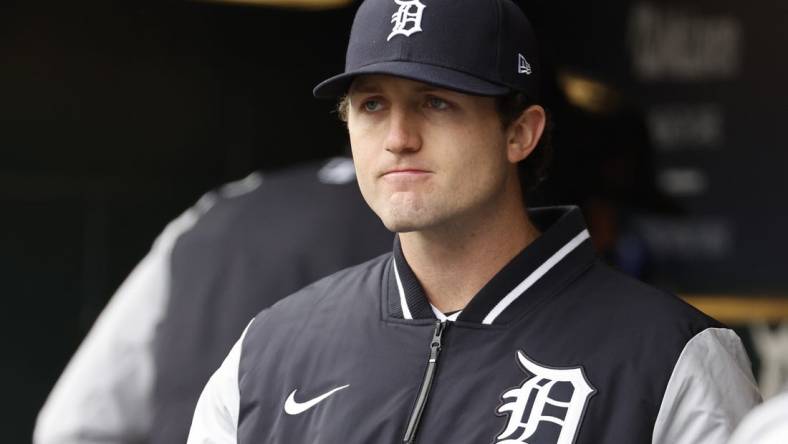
[(556, 348)]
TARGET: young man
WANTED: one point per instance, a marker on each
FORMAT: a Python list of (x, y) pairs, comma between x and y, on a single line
[(488, 323)]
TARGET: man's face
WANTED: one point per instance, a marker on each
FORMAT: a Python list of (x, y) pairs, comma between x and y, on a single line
[(426, 157)]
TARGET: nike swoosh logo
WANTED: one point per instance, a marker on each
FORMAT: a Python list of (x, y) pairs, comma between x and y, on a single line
[(292, 407)]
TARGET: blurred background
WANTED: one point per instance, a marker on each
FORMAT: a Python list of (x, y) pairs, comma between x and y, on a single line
[(116, 116)]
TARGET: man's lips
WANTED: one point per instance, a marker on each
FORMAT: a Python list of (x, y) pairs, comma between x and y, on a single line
[(404, 176), (406, 172)]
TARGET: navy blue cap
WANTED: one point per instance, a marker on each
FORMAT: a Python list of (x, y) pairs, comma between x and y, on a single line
[(481, 47)]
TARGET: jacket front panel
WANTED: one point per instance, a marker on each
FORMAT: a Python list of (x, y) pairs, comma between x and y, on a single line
[(582, 356), (381, 363)]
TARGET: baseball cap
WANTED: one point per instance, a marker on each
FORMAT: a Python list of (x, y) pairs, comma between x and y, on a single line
[(480, 47)]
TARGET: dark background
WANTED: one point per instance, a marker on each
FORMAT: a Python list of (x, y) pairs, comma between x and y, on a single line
[(117, 116), (114, 118)]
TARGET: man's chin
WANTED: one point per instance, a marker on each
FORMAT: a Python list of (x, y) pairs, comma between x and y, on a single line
[(400, 227), (409, 225), (407, 219), (403, 224)]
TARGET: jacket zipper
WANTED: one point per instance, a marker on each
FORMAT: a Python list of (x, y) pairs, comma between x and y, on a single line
[(426, 383)]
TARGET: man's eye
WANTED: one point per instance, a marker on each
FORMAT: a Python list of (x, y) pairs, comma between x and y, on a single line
[(371, 105), (437, 103)]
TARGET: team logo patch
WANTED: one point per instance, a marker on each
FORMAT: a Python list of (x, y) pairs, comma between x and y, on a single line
[(547, 407), (407, 19)]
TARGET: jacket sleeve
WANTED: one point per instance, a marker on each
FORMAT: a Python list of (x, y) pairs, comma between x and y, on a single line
[(709, 392), (104, 394), (215, 418)]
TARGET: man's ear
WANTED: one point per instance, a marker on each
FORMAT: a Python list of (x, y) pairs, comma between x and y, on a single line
[(524, 133)]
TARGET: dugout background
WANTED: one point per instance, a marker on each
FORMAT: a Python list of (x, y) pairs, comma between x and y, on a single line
[(116, 116)]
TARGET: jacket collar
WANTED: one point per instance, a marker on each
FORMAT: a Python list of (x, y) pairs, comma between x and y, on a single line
[(559, 254)]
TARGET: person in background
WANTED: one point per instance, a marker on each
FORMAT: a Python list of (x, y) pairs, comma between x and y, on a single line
[(137, 375)]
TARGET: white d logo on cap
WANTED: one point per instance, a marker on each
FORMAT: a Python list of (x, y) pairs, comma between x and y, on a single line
[(407, 19)]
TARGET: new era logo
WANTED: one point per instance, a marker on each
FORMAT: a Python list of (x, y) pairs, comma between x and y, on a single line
[(523, 67)]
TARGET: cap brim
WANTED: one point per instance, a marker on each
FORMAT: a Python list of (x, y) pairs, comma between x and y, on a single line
[(434, 75)]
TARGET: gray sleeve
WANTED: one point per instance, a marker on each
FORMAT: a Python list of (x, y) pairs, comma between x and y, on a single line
[(710, 390)]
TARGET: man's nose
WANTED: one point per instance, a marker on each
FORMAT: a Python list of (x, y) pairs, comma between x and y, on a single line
[(403, 134)]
